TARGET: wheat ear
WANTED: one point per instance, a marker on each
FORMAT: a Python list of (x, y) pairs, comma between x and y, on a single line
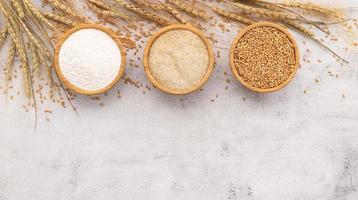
[(311, 35), (10, 63), (3, 36), (18, 8), (146, 3), (39, 16), (144, 13), (189, 9), (231, 15), (175, 14), (60, 19), (104, 11)]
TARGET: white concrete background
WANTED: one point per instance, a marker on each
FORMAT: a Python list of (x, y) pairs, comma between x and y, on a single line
[(285, 145)]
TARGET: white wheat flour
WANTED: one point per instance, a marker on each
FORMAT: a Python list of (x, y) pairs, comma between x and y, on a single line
[(178, 59), (90, 59)]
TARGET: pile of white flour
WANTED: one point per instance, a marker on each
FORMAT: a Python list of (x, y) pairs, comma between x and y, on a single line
[(90, 59)]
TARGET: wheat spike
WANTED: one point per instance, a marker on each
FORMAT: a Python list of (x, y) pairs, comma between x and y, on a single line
[(146, 3), (232, 15), (59, 19), (10, 63), (61, 5), (104, 13), (144, 13), (3, 36), (18, 8), (39, 16), (300, 28), (35, 58), (264, 12), (189, 9), (175, 13), (23, 60), (99, 4)]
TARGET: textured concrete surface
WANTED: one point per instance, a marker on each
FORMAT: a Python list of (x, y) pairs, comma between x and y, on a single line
[(243, 146)]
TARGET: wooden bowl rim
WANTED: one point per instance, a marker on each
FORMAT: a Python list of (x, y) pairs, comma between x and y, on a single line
[(64, 37), (203, 80), (242, 33)]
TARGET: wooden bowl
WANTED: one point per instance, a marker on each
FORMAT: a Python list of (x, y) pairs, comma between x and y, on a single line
[(63, 38), (241, 34), (204, 79)]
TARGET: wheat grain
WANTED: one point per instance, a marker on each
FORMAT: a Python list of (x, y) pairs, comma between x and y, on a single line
[(233, 16), (189, 9)]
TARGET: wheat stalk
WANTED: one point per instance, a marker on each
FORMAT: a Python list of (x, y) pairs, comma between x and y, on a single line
[(60, 19), (144, 13), (233, 16), (263, 12), (3, 36), (66, 9), (35, 58), (190, 9), (9, 64), (18, 8), (175, 14), (39, 16), (146, 3), (104, 10)]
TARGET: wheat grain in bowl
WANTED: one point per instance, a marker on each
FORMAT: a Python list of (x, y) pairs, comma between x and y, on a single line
[(89, 59), (178, 59), (264, 57)]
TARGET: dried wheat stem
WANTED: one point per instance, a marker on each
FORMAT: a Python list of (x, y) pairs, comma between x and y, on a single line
[(311, 35), (38, 44), (35, 58), (144, 13), (23, 60), (189, 9), (48, 69), (3, 36), (60, 19), (18, 44), (39, 16), (106, 13), (18, 8), (99, 4), (233, 16), (175, 14), (10, 63), (146, 3), (309, 6), (300, 28), (60, 5), (264, 12)]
